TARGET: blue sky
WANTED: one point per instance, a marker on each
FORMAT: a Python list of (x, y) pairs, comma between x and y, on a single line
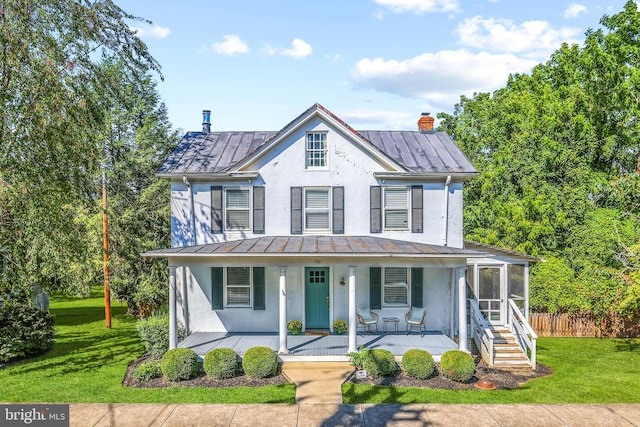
[(377, 64)]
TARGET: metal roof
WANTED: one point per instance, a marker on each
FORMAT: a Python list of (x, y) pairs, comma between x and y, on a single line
[(477, 246), (338, 246), (224, 152)]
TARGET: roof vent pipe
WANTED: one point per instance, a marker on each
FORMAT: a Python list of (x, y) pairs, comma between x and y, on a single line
[(206, 121)]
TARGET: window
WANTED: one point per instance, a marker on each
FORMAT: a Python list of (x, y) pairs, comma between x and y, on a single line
[(316, 149), (316, 209), (238, 287), (237, 209), (395, 290), (396, 208)]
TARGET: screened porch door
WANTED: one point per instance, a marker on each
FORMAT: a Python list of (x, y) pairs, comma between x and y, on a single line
[(316, 300), (491, 294)]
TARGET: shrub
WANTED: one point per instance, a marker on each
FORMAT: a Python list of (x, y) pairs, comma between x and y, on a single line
[(179, 364), (357, 357), (221, 363), (379, 363), (418, 363), (25, 330), (340, 326), (457, 365), (260, 362), (154, 333), (147, 371)]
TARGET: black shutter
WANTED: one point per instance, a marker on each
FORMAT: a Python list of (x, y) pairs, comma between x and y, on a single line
[(375, 287), (217, 224), (416, 208), (216, 288), (258, 288), (376, 209), (296, 210), (338, 210), (258, 210), (416, 287)]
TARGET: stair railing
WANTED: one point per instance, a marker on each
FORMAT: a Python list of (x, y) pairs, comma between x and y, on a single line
[(523, 332), (481, 332)]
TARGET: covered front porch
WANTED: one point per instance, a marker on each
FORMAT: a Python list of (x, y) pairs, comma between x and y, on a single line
[(310, 347)]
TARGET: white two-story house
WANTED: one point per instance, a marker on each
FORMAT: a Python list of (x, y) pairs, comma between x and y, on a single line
[(317, 220)]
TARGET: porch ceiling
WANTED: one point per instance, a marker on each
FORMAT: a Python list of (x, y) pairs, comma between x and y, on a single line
[(332, 246)]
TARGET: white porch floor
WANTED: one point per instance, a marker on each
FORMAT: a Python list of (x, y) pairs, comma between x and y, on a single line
[(304, 348)]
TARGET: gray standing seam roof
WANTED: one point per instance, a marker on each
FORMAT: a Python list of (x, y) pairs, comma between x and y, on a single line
[(223, 152), (316, 245)]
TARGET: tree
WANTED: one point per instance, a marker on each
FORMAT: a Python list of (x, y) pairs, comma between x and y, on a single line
[(51, 89)]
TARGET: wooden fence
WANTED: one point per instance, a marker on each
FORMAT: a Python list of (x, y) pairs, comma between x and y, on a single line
[(565, 325)]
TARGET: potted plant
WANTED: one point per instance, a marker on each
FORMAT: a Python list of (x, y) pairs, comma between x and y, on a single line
[(295, 327), (340, 327)]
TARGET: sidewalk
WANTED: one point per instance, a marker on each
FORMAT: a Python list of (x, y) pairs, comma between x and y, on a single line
[(308, 415)]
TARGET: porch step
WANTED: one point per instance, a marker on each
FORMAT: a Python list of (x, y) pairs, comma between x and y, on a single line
[(508, 354)]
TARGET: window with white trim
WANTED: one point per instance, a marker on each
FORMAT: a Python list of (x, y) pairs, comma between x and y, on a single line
[(395, 291), (396, 208), (316, 151), (238, 287), (317, 209), (237, 209)]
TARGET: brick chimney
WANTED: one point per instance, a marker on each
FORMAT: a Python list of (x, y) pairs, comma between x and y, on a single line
[(206, 121), (425, 123)]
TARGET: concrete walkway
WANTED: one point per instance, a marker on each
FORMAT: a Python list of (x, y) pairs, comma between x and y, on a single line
[(328, 414), (317, 382)]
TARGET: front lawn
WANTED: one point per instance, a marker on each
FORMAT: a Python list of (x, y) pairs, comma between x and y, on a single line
[(88, 363), (586, 370)]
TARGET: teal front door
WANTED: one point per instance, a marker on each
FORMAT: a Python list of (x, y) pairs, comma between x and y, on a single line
[(316, 297)]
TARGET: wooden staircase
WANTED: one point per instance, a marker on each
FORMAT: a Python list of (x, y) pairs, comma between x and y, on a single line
[(508, 354)]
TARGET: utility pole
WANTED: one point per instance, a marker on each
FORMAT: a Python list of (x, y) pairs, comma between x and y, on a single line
[(105, 258)]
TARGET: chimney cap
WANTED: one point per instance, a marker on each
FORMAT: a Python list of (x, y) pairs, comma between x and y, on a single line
[(426, 114)]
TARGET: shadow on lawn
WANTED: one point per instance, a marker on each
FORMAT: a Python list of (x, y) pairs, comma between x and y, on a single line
[(629, 345), (86, 350)]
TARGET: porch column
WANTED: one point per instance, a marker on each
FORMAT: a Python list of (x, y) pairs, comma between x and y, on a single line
[(282, 330), (462, 309), (353, 324), (173, 321)]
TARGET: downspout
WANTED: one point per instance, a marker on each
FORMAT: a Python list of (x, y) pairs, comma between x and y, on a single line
[(445, 240), (192, 209)]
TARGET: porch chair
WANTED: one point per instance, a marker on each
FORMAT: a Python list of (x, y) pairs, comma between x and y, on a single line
[(415, 318), (366, 319)]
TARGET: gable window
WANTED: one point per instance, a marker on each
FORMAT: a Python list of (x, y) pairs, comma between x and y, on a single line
[(237, 209), (316, 209), (395, 291), (316, 151), (238, 288), (396, 208)]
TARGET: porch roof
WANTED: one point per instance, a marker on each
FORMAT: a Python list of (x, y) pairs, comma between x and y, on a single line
[(331, 246)]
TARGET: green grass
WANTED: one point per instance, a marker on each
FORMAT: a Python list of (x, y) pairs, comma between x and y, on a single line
[(586, 370), (88, 363)]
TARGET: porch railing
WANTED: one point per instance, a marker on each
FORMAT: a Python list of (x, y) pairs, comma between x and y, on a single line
[(481, 332), (523, 332)]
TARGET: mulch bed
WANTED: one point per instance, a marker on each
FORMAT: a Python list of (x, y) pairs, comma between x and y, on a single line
[(200, 381), (502, 379)]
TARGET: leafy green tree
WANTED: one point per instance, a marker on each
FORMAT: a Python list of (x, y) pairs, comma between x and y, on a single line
[(51, 89)]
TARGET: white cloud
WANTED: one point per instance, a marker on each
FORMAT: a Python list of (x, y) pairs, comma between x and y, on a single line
[(574, 10), (299, 49), (439, 78), (364, 119), (231, 45), (419, 6), (535, 38), (153, 32)]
